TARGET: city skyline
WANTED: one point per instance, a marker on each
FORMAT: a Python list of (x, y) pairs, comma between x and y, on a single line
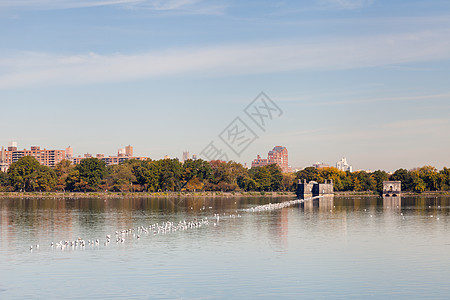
[(361, 79), (278, 155)]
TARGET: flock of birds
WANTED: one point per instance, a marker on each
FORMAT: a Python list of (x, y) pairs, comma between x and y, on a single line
[(274, 206), (167, 227), (135, 233), (132, 233)]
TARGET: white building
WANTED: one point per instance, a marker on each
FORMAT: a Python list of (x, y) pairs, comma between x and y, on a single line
[(3, 164), (343, 165)]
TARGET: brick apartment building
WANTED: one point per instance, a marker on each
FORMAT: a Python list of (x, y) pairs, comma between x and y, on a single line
[(278, 155), (45, 157)]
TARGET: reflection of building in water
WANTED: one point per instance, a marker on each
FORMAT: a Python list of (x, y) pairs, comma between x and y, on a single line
[(283, 228), (326, 203), (313, 189), (392, 188), (278, 228), (323, 204), (392, 203)]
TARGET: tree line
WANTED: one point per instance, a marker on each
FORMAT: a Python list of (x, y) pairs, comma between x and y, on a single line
[(163, 175), (426, 178)]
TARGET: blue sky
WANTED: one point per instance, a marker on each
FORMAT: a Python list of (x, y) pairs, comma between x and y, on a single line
[(364, 79)]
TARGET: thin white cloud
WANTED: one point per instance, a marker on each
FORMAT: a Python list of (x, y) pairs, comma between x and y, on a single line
[(385, 99), (46, 69), (410, 125), (346, 4), (426, 129), (63, 4), (156, 5)]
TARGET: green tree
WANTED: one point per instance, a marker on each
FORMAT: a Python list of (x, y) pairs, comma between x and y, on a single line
[(194, 184), (226, 176), (276, 176), (338, 177), (45, 179), (308, 174), (356, 184), (22, 174), (198, 170), (120, 178), (419, 184), (444, 179), (171, 172), (288, 183), (4, 182), (62, 170), (261, 175), (147, 174), (247, 184), (379, 177), (430, 177), (405, 177), (87, 176)]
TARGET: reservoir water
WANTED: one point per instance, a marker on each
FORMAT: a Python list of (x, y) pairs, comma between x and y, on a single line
[(359, 247)]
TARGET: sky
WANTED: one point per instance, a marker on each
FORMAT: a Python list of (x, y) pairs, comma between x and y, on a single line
[(368, 80)]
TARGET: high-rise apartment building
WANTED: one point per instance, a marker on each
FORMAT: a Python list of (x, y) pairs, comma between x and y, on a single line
[(185, 156), (45, 157), (69, 152), (129, 150), (343, 165), (3, 164), (278, 155)]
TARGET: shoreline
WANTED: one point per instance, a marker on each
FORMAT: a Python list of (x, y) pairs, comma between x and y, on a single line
[(111, 195), (376, 194), (119, 195)]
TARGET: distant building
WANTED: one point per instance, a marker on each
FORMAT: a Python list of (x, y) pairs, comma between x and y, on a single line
[(320, 165), (69, 153), (392, 188), (129, 150), (313, 189), (123, 154), (185, 156), (194, 156), (12, 146), (49, 158), (166, 157), (343, 165), (3, 164), (278, 155), (259, 162)]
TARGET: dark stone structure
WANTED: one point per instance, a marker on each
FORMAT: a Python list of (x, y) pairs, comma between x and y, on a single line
[(392, 188), (312, 189)]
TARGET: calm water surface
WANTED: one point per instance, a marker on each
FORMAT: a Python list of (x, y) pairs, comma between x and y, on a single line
[(341, 248)]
